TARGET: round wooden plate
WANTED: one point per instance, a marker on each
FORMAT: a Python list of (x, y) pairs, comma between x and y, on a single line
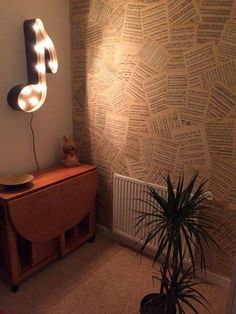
[(16, 179)]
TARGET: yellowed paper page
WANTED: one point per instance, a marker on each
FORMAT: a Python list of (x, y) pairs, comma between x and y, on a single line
[(116, 128), (165, 123), (196, 109), (183, 11), (193, 145), (226, 49), (222, 102), (224, 72), (155, 22), (198, 61), (220, 136), (156, 93)]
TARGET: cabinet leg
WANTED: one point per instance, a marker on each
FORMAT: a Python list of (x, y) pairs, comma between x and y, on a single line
[(14, 288), (92, 239)]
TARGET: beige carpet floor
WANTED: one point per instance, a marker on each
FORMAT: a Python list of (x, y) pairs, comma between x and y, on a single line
[(98, 278)]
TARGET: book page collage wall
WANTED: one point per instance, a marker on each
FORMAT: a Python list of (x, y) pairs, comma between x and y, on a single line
[(154, 92)]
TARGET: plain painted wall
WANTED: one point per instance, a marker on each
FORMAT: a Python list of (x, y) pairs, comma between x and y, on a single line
[(54, 119)]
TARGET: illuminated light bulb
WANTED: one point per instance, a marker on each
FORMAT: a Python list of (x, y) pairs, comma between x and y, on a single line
[(36, 27), (40, 68), (22, 104), (48, 43), (33, 101), (53, 66), (39, 48), (26, 90), (39, 23), (40, 87)]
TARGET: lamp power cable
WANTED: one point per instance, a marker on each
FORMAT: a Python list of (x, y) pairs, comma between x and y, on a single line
[(33, 140)]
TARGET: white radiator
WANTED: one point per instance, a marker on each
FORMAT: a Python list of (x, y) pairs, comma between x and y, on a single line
[(126, 192)]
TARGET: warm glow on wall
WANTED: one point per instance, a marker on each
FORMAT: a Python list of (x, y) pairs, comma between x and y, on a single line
[(41, 59)]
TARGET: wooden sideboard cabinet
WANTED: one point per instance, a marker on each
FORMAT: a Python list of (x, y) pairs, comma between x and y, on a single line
[(45, 219)]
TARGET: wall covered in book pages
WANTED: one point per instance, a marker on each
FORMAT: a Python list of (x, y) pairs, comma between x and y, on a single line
[(154, 92)]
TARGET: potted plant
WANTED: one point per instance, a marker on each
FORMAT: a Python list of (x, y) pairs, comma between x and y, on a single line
[(180, 218)]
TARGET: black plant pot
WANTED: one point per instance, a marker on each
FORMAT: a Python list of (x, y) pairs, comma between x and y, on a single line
[(154, 304)]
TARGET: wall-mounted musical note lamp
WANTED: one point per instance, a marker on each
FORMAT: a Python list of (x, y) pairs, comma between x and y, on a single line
[(41, 58)]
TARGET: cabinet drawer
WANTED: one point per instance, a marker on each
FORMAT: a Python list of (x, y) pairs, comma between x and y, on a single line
[(45, 214)]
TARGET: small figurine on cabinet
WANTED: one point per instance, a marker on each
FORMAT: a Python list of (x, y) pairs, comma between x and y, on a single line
[(70, 157)]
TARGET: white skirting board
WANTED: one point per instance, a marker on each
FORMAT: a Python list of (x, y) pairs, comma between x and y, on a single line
[(211, 277)]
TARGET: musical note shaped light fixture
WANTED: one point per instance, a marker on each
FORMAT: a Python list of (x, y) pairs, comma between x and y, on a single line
[(41, 58)]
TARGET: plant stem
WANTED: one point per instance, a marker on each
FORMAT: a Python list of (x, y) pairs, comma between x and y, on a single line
[(165, 267)]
